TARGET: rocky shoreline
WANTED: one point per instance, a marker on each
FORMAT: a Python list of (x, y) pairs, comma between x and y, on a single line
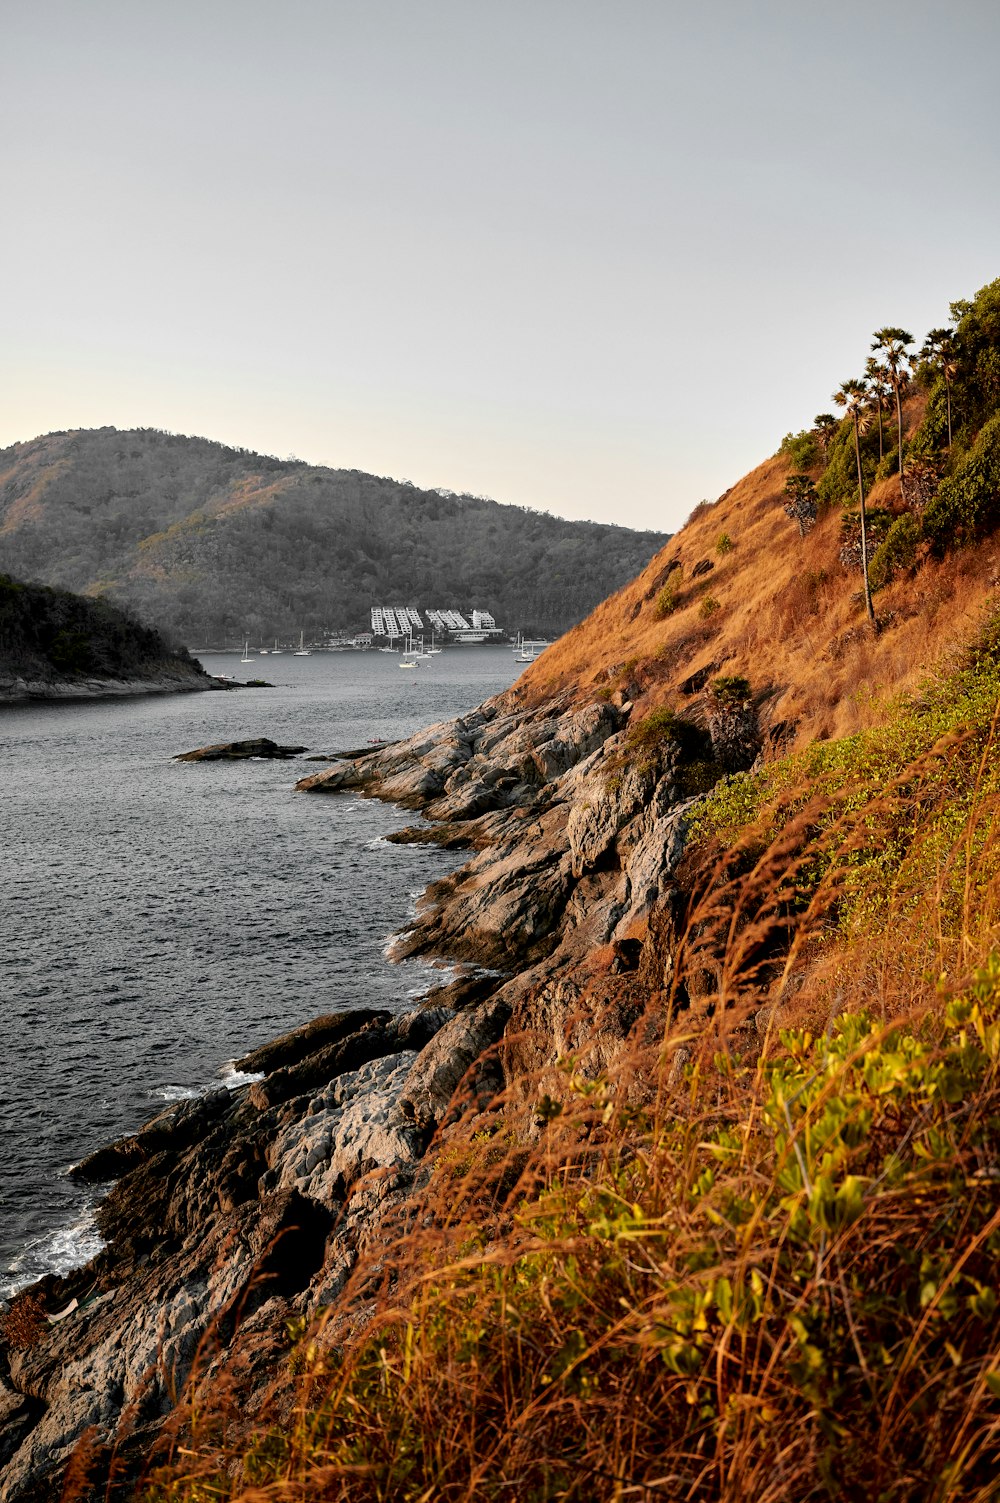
[(15, 689), (233, 1215)]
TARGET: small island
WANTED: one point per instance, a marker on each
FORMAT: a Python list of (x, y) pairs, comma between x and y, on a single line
[(57, 645)]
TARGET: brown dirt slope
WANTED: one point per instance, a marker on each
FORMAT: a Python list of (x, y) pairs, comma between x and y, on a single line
[(787, 615)]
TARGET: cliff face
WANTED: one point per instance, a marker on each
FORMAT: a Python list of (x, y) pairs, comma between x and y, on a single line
[(54, 645)]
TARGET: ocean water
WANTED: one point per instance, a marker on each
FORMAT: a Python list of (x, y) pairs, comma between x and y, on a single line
[(161, 918)]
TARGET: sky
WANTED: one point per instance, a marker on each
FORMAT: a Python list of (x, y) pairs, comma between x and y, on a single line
[(592, 256)]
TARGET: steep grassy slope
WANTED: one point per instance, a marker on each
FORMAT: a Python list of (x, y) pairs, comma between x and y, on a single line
[(786, 612), (215, 544), (780, 610)]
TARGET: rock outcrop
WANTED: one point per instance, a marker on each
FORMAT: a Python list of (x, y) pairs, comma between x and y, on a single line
[(239, 751), (16, 688), (236, 1213)]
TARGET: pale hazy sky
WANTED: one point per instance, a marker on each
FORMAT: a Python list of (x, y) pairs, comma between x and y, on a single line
[(595, 256)]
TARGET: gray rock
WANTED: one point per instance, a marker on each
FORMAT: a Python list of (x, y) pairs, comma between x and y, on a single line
[(440, 1068)]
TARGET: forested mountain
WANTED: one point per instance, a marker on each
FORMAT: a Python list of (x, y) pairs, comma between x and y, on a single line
[(211, 543)]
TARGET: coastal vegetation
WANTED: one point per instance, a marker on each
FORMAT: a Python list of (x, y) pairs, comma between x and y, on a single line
[(46, 633), (214, 544)]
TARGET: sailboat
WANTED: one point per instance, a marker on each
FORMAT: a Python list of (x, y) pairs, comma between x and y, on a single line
[(409, 658), (246, 658), (302, 651), (530, 650), (276, 650), (432, 651)]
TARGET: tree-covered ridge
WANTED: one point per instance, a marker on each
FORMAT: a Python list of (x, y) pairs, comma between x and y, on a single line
[(213, 543), (46, 633)]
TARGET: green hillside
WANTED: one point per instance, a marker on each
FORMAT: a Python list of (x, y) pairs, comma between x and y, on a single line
[(50, 634), (211, 543)]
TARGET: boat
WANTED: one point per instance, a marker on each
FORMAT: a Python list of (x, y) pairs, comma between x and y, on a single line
[(530, 650), (276, 650), (302, 651), (433, 651), (246, 658), (409, 658)]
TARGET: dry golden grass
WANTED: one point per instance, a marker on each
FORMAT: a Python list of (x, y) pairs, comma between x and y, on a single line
[(756, 1260), (790, 618)]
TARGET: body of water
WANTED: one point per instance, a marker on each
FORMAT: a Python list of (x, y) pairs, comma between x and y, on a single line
[(161, 918)]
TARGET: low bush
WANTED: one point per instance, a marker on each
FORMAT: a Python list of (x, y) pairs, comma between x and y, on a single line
[(801, 448), (731, 690), (668, 599), (967, 503), (663, 726), (896, 553)]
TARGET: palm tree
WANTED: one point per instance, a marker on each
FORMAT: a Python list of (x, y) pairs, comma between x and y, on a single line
[(801, 505), (893, 342), (826, 426), (939, 349), (853, 395), (880, 388)]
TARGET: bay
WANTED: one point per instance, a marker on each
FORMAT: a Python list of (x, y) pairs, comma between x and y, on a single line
[(160, 918)]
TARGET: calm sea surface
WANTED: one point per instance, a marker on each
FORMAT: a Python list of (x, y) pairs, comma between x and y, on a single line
[(160, 918)]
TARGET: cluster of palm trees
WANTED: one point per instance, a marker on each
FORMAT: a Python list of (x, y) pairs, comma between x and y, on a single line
[(887, 375)]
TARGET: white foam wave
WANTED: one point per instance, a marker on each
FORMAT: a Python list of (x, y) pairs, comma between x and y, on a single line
[(59, 1251), (175, 1092), (232, 1078)]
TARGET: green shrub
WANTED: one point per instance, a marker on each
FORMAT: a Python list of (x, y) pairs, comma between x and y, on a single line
[(897, 552), (932, 435), (731, 690), (662, 726), (839, 481), (668, 599), (888, 465), (967, 503), (708, 607), (724, 544), (801, 448)]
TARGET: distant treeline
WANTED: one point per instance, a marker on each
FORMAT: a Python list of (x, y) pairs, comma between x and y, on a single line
[(45, 632), (213, 543)]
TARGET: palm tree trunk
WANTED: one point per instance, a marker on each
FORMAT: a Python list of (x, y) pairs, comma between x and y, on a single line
[(899, 431), (947, 387), (878, 398), (864, 524)]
